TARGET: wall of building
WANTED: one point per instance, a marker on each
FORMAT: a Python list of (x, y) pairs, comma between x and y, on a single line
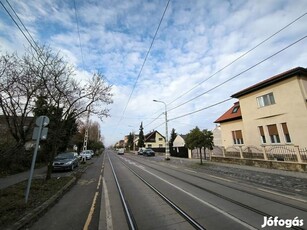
[(226, 131), (159, 142), (290, 107)]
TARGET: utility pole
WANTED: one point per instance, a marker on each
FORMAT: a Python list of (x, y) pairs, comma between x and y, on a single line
[(167, 155), (86, 131)]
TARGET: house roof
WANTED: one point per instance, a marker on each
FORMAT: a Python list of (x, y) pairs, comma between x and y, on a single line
[(234, 113), (150, 135), (298, 71)]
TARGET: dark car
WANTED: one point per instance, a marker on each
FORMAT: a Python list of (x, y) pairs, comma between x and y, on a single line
[(148, 152), (65, 161)]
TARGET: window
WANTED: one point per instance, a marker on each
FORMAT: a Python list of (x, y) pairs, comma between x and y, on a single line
[(160, 145), (286, 132), (266, 100), (273, 132), (235, 109), (237, 137), (149, 145), (263, 140), (160, 139)]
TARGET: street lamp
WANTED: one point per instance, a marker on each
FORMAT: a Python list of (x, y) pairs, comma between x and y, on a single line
[(166, 132)]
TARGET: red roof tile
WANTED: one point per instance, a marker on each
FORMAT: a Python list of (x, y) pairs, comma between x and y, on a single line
[(234, 113)]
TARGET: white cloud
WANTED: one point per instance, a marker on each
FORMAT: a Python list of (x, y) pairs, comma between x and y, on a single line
[(195, 40)]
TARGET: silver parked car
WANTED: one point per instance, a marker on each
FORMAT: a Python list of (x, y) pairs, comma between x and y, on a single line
[(87, 154)]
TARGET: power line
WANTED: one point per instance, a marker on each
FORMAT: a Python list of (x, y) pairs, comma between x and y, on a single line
[(199, 110), (237, 75), (78, 29), (196, 111), (147, 54), (37, 46), (241, 56), (235, 60), (15, 22), (154, 119)]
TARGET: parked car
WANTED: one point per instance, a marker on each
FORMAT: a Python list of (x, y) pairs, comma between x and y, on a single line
[(148, 152), (121, 151), (65, 161), (77, 155), (91, 152), (87, 154), (141, 150)]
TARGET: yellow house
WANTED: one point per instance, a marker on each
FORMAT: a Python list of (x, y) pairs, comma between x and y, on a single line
[(154, 140), (272, 112)]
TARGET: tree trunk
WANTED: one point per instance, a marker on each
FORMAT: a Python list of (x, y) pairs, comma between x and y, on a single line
[(201, 158), (52, 154)]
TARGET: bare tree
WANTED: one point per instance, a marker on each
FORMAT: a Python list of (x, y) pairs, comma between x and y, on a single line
[(45, 75)]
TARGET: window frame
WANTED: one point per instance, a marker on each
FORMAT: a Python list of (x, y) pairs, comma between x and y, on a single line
[(265, 100), (273, 133), (236, 134), (262, 134), (286, 133)]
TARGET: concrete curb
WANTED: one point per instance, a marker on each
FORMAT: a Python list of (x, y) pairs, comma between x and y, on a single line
[(37, 212)]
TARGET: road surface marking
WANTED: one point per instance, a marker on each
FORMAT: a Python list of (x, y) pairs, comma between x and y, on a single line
[(173, 166), (189, 170), (279, 194), (90, 215), (204, 202), (216, 177), (99, 182), (108, 206)]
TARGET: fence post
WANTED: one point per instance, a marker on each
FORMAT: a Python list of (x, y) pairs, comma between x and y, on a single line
[(265, 156), (224, 151), (241, 152), (298, 155)]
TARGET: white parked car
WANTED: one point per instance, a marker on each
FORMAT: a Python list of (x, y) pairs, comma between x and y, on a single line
[(87, 154)]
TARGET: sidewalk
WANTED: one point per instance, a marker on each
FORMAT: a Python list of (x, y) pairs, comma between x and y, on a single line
[(16, 178), (243, 167)]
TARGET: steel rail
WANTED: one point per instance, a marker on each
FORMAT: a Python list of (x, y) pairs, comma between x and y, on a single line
[(192, 221), (227, 198), (131, 223)]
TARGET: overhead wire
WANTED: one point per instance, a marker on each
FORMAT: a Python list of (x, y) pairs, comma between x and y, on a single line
[(15, 22), (145, 59), (238, 58), (79, 37), (239, 74)]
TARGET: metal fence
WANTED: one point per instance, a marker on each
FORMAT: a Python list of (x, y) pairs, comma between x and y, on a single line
[(289, 153)]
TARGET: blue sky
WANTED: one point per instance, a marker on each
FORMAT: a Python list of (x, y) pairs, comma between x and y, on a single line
[(196, 39)]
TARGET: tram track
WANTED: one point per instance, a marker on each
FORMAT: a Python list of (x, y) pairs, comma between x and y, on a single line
[(233, 201), (130, 219), (225, 185)]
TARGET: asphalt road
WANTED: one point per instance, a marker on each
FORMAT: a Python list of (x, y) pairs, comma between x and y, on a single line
[(213, 202), (79, 208), (135, 192)]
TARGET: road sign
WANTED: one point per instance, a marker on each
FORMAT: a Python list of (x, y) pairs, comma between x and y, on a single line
[(42, 120), (39, 133)]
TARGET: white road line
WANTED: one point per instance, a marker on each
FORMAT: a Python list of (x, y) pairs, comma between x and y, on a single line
[(189, 170), (279, 194), (216, 177), (108, 207), (204, 202)]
